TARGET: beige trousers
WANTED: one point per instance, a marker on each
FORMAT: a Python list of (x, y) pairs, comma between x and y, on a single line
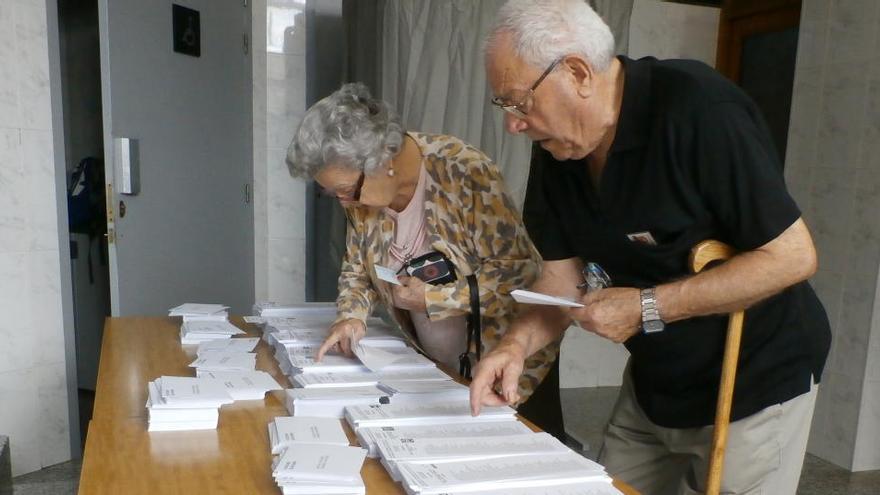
[(764, 454)]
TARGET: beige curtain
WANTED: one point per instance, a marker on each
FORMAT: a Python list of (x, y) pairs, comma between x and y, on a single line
[(432, 72)]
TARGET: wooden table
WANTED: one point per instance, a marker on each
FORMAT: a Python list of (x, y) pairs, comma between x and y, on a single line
[(121, 457)]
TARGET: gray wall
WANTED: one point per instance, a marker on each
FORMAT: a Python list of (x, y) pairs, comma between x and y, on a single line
[(34, 271), (833, 170)]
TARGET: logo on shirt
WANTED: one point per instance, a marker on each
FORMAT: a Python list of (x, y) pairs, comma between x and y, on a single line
[(642, 237)]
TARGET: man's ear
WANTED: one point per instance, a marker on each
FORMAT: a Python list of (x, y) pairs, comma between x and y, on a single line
[(581, 73)]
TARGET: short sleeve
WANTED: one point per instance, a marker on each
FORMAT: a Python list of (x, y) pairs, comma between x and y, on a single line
[(740, 176), (540, 213)]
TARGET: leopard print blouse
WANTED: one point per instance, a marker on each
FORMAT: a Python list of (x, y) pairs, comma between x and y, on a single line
[(472, 220)]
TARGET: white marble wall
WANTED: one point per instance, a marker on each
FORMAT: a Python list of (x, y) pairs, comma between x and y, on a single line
[(279, 45), (664, 30), (33, 380), (673, 30), (833, 170)]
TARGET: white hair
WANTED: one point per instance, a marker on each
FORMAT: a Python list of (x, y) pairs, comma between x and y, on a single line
[(545, 30)]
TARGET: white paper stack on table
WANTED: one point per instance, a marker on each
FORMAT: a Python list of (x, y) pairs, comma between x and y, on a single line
[(185, 403), (243, 385), (331, 379), (294, 331), (425, 392), (501, 474), (196, 332), (239, 345), (269, 308), (433, 450), (200, 312), (423, 414), (320, 469), (331, 402), (390, 358), (287, 431), (368, 437), (225, 361), (301, 359)]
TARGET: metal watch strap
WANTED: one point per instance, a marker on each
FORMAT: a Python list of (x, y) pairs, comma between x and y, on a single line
[(650, 312)]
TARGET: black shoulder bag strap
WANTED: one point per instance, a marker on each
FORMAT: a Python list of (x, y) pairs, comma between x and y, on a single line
[(474, 330)]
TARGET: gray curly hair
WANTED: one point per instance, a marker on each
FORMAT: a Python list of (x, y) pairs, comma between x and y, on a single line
[(348, 128)]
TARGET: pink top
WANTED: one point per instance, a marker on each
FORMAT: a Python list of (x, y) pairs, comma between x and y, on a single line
[(444, 340)]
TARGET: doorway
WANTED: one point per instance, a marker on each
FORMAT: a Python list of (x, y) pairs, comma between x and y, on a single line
[(84, 148)]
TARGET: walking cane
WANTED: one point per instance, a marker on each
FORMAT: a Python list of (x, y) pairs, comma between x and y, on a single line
[(701, 255)]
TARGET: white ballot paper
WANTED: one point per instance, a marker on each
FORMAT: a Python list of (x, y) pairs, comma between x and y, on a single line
[(529, 297), (321, 463), (462, 448), (228, 345), (423, 414), (243, 385), (285, 431), (386, 274), (369, 436), (603, 487), (390, 358), (506, 472)]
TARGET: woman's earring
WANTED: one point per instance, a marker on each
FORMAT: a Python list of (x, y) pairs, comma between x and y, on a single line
[(390, 171)]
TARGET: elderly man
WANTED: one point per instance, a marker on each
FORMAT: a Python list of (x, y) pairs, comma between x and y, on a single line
[(640, 160)]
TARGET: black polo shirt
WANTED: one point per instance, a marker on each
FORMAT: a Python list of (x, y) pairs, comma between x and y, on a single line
[(692, 159)]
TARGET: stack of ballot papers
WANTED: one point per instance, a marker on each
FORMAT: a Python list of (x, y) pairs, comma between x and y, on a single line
[(243, 385), (196, 332), (529, 472), (368, 437), (390, 358), (301, 359), (314, 334), (185, 403), (353, 379), (425, 392), (422, 414), (320, 469), (225, 361), (269, 309), (286, 431), (240, 345), (331, 402), (200, 312)]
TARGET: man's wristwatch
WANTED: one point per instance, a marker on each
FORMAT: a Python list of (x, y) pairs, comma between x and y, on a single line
[(651, 322)]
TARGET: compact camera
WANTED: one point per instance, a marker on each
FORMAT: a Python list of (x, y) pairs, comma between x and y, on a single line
[(433, 268)]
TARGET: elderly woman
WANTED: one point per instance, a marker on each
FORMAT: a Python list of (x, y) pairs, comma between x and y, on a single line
[(407, 194)]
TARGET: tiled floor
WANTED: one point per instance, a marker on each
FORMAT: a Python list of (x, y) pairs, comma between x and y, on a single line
[(586, 411)]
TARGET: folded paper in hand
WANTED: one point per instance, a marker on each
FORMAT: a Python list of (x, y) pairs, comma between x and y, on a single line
[(386, 274), (529, 297)]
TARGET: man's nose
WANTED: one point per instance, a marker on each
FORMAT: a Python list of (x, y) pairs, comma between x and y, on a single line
[(514, 124)]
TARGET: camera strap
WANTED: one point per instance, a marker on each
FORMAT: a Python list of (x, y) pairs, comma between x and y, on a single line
[(474, 330)]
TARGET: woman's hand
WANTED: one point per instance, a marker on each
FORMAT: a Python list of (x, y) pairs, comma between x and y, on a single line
[(410, 295), (343, 335)]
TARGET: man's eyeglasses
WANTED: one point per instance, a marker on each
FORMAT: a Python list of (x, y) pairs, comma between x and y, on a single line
[(594, 278), (518, 102), (354, 194)]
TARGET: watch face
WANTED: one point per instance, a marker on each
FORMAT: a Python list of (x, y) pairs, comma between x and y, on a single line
[(652, 326)]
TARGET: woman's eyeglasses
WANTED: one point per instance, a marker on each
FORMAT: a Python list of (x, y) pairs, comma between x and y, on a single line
[(352, 194)]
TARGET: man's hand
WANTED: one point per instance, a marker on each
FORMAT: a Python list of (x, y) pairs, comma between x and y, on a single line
[(410, 295), (504, 364), (343, 334), (613, 313)]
